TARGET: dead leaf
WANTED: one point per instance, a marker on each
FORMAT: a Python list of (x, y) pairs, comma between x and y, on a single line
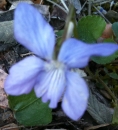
[(112, 15), (3, 96), (108, 31), (101, 113), (58, 13), (43, 9), (96, 127), (11, 126), (37, 1), (105, 94), (3, 4)]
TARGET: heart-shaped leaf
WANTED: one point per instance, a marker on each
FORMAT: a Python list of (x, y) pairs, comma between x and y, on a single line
[(90, 28), (29, 110), (115, 29), (105, 60)]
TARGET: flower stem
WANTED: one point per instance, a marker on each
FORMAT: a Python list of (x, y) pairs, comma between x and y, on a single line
[(68, 20)]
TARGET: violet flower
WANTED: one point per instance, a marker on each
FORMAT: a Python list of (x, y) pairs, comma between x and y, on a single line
[(50, 78)]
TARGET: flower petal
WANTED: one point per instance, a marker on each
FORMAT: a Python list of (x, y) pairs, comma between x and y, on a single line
[(76, 54), (42, 83), (75, 99), (33, 32), (51, 87), (22, 76)]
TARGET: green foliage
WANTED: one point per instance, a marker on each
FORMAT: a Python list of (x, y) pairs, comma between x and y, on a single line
[(115, 29), (115, 116), (113, 75), (105, 60), (59, 33), (110, 40), (29, 110), (108, 59), (90, 28)]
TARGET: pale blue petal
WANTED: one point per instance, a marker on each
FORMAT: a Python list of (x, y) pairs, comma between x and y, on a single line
[(51, 87), (42, 83), (75, 99), (33, 32), (22, 76), (76, 54)]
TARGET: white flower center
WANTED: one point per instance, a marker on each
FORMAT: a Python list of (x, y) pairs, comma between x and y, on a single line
[(54, 65)]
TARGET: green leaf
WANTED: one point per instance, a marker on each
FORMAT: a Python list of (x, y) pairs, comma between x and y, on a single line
[(59, 33), (110, 40), (113, 75), (98, 110), (29, 110), (90, 28), (115, 29), (105, 60), (115, 116)]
